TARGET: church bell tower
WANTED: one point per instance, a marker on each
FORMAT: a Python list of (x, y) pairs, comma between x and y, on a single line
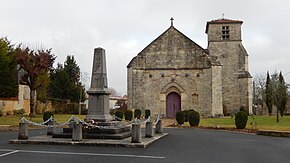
[(225, 42)]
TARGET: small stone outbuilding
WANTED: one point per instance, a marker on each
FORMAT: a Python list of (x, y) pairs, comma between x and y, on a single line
[(174, 73)]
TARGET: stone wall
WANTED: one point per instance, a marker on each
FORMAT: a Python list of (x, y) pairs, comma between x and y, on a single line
[(236, 79), (7, 105), (153, 86), (173, 63), (206, 80)]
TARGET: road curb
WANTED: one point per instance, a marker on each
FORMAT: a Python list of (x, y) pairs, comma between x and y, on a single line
[(273, 133), (48, 140)]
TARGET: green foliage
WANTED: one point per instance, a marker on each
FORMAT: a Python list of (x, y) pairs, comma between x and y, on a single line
[(8, 70), (180, 117), (241, 119), (18, 112), (147, 113), (128, 115), (137, 113), (269, 100), (186, 114), (42, 92), (65, 81), (69, 108), (282, 95), (47, 115), (1, 113), (279, 93), (119, 114), (193, 118), (276, 93)]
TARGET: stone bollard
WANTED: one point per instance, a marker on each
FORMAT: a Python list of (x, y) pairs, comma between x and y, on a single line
[(51, 130), (159, 128), (136, 133), (77, 134), (23, 131), (149, 130)]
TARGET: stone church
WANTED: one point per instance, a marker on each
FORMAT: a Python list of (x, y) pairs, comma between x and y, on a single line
[(174, 73)]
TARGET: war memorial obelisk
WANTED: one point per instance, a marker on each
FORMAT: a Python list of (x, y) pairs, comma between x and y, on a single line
[(98, 104)]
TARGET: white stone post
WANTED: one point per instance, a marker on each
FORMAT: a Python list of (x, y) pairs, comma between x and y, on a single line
[(51, 130), (77, 134), (149, 130), (136, 133), (159, 128), (23, 131)]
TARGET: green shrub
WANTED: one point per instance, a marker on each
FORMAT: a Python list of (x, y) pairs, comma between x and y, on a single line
[(147, 113), (119, 114), (180, 117), (193, 118), (241, 119), (47, 115), (1, 113), (137, 113), (18, 112), (186, 114), (128, 115)]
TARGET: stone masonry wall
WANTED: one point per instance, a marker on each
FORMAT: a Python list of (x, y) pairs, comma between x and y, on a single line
[(234, 58), (171, 63), (151, 88)]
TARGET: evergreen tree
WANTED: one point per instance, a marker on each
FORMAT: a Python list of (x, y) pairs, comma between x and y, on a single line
[(282, 95), (268, 93), (59, 83), (8, 70), (65, 81), (279, 93)]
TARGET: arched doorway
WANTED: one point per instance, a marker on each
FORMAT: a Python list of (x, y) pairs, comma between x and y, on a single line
[(173, 104)]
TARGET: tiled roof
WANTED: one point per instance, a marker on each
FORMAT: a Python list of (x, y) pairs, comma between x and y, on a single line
[(224, 21), (221, 21)]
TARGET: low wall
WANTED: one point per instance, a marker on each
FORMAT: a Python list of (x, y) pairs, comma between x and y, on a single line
[(7, 105)]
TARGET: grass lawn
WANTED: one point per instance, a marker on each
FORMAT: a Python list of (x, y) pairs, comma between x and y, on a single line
[(14, 120), (254, 122)]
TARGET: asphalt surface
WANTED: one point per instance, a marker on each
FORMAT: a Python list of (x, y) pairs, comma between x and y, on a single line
[(180, 145)]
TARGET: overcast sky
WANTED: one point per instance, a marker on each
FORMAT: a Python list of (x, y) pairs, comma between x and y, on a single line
[(124, 27)]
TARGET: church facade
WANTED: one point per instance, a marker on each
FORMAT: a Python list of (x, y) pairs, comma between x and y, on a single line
[(174, 73)]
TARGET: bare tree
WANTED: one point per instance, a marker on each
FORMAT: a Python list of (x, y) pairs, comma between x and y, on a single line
[(260, 92)]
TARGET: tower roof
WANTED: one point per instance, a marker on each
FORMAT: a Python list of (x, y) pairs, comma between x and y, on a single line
[(222, 21)]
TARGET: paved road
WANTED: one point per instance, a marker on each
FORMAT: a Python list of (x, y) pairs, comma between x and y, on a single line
[(181, 145)]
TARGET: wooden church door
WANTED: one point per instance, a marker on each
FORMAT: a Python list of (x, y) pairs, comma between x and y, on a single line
[(173, 104)]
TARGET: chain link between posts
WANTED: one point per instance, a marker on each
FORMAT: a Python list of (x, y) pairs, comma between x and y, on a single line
[(93, 124)]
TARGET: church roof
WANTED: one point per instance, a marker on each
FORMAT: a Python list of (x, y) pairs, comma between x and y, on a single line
[(222, 21), (172, 28)]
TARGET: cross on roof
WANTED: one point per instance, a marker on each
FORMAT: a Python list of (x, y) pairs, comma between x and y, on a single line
[(171, 19)]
